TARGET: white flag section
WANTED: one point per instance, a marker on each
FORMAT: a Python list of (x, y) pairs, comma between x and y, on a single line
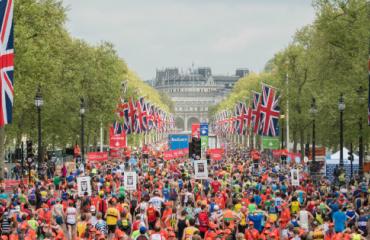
[(130, 181), (201, 169), (84, 185), (295, 177)]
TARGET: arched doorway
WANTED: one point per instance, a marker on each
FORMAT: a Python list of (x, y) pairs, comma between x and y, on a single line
[(179, 123), (192, 120)]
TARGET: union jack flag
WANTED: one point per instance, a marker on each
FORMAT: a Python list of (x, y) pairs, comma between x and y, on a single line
[(270, 112), (150, 120), (117, 128), (248, 118), (6, 62), (256, 110), (131, 115), (124, 109), (141, 116)]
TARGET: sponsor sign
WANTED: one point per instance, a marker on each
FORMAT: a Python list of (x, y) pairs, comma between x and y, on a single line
[(130, 181), (178, 141), (204, 129), (117, 140), (97, 156), (195, 130), (200, 169), (270, 143), (215, 153), (84, 185)]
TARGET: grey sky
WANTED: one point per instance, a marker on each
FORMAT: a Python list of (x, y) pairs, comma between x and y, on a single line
[(222, 34)]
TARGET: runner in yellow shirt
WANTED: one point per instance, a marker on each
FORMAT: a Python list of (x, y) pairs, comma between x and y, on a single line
[(112, 215)]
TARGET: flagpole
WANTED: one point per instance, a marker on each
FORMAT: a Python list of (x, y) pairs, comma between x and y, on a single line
[(287, 114), (101, 136)]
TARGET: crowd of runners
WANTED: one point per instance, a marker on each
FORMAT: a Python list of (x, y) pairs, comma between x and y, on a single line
[(240, 200)]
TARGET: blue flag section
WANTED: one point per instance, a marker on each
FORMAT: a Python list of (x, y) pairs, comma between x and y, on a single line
[(177, 141), (204, 129)]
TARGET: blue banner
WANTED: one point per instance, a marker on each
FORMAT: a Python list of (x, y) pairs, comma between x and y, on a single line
[(178, 141), (204, 129)]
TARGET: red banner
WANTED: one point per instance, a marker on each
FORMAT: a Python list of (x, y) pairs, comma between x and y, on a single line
[(319, 151), (115, 153), (195, 130), (173, 154), (215, 153), (9, 185), (97, 156), (117, 140)]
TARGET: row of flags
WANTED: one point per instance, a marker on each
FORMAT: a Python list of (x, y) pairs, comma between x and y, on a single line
[(140, 116), (259, 116)]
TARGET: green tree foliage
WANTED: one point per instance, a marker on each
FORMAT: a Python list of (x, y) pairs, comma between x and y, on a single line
[(66, 69), (325, 59)]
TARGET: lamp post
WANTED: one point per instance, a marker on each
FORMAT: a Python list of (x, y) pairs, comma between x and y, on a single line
[(39, 102), (282, 130), (313, 112), (341, 107), (82, 114), (360, 91)]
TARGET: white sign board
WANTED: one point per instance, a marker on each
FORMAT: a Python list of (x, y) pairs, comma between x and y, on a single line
[(295, 177), (130, 181), (84, 185), (201, 169)]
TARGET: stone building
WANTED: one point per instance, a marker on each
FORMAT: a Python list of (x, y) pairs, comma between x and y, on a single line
[(194, 91)]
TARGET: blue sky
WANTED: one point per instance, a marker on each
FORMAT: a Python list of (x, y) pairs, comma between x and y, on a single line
[(221, 34)]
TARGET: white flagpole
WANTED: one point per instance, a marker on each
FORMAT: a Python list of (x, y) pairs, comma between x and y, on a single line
[(101, 136)]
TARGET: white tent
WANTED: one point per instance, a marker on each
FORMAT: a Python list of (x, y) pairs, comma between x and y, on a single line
[(334, 158)]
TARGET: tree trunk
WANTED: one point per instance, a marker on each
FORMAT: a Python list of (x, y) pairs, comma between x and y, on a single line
[(294, 140)]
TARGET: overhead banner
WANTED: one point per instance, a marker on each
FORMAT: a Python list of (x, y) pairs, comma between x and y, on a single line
[(130, 181), (295, 177), (215, 154), (201, 169), (195, 130), (117, 140), (177, 141), (270, 143), (97, 156), (204, 142), (84, 186)]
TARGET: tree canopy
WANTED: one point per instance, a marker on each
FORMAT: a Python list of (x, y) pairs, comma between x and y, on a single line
[(66, 69), (325, 59)]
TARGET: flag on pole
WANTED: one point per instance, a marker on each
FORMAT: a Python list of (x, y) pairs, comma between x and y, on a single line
[(6, 62), (269, 112), (256, 110)]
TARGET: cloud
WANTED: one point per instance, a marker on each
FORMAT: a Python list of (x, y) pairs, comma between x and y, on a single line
[(222, 34)]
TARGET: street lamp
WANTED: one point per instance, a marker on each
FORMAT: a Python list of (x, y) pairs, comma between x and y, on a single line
[(282, 130), (313, 112), (360, 92), (341, 107), (82, 114), (39, 102)]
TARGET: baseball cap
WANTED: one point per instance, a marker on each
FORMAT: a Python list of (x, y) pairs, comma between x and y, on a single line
[(142, 229)]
